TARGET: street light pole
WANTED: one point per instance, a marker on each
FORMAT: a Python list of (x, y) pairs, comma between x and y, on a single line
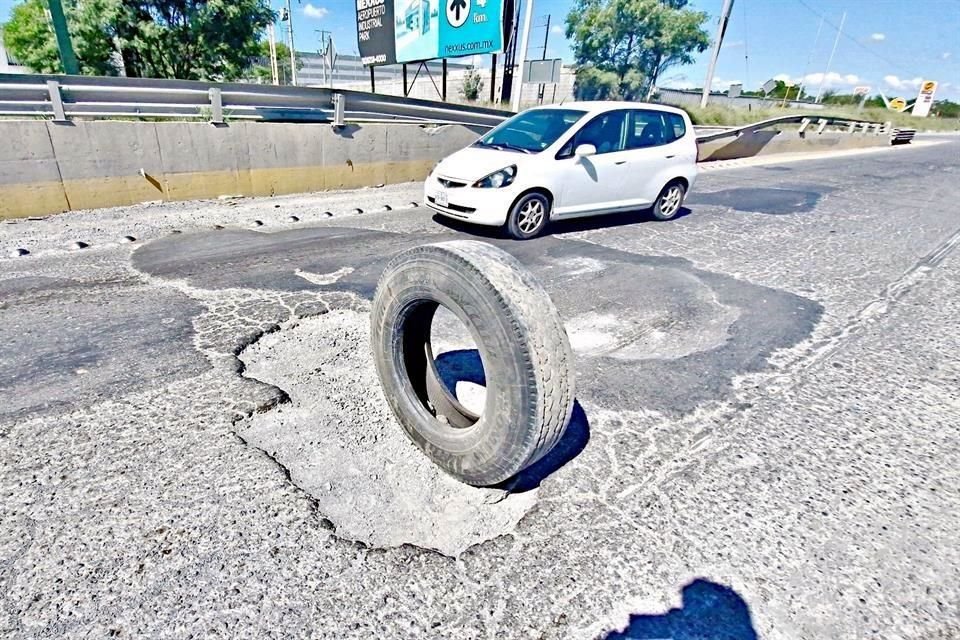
[(522, 56), (721, 30), (830, 60), (67, 57), (293, 49)]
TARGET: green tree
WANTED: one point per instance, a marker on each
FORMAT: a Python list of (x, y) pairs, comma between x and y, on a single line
[(472, 85), (261, 65), (621, 47), (29, 36), (188, 39), (946, 109)]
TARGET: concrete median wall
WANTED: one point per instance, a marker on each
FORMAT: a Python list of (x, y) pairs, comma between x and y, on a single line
[(47, 167), (767, 141)]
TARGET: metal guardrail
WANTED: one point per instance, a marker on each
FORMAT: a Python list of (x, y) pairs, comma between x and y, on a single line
[(815, 124), (65, 97)]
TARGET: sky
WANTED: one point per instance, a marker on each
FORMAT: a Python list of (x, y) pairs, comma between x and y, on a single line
[(888, 45)]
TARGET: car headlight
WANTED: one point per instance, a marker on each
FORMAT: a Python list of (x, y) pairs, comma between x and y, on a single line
[(502, 178)]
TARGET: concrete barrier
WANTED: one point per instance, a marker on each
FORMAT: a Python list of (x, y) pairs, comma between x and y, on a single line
[(768, 141), (48, 167)]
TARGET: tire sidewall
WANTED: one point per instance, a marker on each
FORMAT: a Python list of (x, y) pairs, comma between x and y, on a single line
[(513, 228), (498, 438), (657, 213)]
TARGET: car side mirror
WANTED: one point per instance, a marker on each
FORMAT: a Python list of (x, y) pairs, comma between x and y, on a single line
[(585, 151)]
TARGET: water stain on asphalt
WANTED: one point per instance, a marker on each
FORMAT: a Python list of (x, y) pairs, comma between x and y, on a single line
[(655, 332), (770, 201), (650, 333)]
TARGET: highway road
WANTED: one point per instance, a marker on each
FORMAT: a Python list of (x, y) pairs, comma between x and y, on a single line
[(766, 442)]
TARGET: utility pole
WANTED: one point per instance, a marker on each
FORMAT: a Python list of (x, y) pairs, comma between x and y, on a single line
[(806, 67), (546, 41), (67, 56), (274, 67), (522, 56), (293, 50), (512, 24), (832, 52), (721, 31)]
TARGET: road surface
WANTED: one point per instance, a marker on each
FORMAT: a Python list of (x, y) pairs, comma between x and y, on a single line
[(766, 441)]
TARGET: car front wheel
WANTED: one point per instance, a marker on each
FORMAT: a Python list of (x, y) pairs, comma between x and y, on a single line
[(529, 216)]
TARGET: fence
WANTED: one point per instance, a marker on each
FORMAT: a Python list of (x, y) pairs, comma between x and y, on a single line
[(64, 97)]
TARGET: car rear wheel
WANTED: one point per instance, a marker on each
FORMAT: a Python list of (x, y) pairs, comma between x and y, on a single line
[(669, 201), (529, 216)]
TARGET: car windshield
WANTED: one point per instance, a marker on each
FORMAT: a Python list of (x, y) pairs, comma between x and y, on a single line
[(531, 131)]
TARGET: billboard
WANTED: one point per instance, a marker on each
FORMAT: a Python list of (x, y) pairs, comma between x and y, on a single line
[(921, 108), (392, 31)]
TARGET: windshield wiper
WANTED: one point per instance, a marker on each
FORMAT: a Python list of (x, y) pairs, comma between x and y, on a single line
[(513, 147), (501, 146)]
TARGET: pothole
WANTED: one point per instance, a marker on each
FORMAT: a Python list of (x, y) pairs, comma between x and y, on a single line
[(341, 444)]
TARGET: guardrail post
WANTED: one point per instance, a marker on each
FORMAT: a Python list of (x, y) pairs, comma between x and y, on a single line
[(216, 106), (56, 101), (852, 127), (823, 125), (888, 126), (803, 126), (339, 109)]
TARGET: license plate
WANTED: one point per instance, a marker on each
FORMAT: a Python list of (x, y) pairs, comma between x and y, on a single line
[(441, 198)]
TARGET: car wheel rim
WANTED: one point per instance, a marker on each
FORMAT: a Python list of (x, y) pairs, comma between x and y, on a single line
[(671, 201), (531, 214)]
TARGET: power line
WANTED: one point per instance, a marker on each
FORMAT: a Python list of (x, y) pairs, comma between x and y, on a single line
[(852, 39)]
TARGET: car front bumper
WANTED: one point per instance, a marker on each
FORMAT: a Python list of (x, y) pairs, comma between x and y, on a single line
[(479, 206)]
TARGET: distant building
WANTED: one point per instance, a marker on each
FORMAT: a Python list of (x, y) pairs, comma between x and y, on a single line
[(7, 63)]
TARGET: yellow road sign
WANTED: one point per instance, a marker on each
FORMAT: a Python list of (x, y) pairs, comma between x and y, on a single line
[(898, 104)]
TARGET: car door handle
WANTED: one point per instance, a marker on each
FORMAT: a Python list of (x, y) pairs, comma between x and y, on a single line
[(671, 156), (620, 162)]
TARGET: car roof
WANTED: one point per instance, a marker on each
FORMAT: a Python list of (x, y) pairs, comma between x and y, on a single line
[(600, 106)]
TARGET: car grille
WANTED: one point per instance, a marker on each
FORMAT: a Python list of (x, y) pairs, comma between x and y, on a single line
[(451, 207), (451, 184)]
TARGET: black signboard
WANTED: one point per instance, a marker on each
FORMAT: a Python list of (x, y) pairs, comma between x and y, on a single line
[(375, 32)]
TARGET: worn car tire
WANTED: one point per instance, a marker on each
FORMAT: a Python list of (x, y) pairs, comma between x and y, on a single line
[(524, 348), (520, 225), (670, 201)]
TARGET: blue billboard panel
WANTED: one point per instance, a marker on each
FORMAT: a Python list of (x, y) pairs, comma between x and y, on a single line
[(391, 31)]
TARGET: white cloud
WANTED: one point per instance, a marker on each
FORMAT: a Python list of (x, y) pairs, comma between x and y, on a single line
[(832, 80), (722, 84), (946, 55), (318, 13), (878, 37), (557, 30), (735, 44), (684, 82), (896, 83)]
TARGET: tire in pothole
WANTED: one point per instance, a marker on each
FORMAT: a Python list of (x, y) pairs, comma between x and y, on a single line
[(524, 348)]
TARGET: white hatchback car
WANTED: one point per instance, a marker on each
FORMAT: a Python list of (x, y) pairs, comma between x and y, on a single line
[(578, 159)]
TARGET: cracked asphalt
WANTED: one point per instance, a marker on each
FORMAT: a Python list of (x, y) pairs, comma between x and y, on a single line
[(766, 445)]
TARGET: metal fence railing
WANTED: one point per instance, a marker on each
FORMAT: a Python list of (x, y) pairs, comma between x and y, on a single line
[(65, 97)]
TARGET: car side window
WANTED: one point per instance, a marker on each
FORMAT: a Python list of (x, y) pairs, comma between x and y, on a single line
[(606, 132), (654, 128), (675, 125)]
